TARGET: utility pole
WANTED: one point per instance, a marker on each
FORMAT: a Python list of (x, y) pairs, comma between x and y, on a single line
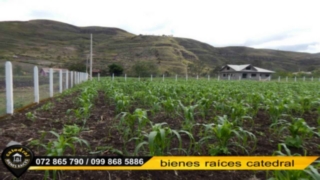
[(87, 63), (91, 58)]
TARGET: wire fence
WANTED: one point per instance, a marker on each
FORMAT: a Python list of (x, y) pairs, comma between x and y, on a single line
[(179, 77), (27, 78), (22, 84)]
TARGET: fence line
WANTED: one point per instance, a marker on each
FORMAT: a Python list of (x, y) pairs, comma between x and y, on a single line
[(75, 78), (219, 78)]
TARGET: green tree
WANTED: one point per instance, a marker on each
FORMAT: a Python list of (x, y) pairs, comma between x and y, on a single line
[(115, 69), (145, 69)]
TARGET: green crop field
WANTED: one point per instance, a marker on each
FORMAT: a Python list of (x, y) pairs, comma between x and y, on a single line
[(188, 118)]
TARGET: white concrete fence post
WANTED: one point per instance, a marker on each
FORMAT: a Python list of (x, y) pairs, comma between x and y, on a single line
[(82, 76), (139, 78), (162, 77), (218, 77), (51, 82), (125, 77), (36, 84), (74, 77), (67, 79), (197, 77), (295, 79), (279, 79), (229, 77), (71, 79), (240, 78), (151, 77), (312, 78), (176, 77), (208, 77), (9, 88), (98, 76), (77, 75), (60, 81), (186, 77), (112, 76), (304, 78), (287, 79)]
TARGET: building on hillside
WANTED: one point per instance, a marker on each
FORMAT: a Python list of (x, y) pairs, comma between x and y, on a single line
[(95, 72), (246, 71), (46, 71)]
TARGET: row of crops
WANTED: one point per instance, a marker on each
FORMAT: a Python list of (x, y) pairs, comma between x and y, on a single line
[(204, 118)]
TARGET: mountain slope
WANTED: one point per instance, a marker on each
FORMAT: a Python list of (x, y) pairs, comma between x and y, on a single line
[(47, 42)]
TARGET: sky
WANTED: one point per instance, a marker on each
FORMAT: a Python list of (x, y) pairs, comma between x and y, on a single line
[(268, 24)]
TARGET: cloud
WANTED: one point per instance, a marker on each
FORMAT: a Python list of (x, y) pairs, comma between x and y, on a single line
[(296, 47), (43, 14)]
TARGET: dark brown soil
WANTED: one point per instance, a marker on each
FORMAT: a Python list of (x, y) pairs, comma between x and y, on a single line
[(101, 133)]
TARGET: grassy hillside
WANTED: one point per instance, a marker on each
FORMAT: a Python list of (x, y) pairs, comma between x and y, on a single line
[(54, 43)]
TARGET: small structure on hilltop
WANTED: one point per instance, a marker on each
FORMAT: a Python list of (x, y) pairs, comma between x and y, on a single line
[(246, 71)]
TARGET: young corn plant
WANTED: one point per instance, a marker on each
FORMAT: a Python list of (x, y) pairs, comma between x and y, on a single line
[(62, 142), (122, 102), (306, 103), (204, 105), (310, 172), (188, 113), (318, 120), (255, 100), (159, 141), (238, 112), (85, 104), (169, 105), (226, 135), (37, 142), (276, 111), (131, 125), (47, 106), (31, 116), (298, 131), (71, 130)]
